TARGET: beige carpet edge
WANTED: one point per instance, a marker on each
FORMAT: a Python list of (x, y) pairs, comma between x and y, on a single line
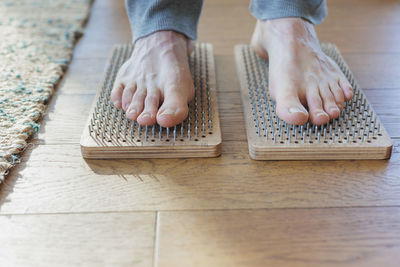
[(31, 124)]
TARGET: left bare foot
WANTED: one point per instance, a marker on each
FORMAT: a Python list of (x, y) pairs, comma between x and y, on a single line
[(300, 74), (156, 73)]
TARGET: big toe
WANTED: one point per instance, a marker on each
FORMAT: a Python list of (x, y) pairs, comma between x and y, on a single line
[(173, 111), (291, 110)]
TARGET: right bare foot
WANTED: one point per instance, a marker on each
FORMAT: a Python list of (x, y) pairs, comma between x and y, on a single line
[(300, 73), (156, 73)]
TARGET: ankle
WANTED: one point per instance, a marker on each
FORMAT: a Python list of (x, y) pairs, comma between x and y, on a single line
[(291, 32), (165, 39), (290, 26)]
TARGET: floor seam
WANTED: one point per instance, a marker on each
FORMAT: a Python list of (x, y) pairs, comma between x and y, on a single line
[(199, 210), (156, 234)]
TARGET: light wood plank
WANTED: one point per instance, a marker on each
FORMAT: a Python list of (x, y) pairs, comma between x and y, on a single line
[(373, 71), (358, 13), (388, 110), (108, 24), (289, 237), (55, 178), (84, 76), (64, 120), (386, 38), (109, 239)]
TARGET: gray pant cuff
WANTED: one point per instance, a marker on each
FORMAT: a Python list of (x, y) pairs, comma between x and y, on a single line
[(190, 31), (313, 11), (149, 16)]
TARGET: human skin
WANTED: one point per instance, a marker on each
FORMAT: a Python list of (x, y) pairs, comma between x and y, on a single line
[(304, 82), (155, 84)]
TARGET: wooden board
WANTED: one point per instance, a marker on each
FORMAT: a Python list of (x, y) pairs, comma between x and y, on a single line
[(109, 134), (56, 179), (356, 134), (367, 237), (95, 239)]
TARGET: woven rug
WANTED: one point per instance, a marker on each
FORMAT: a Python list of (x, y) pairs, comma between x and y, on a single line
[(36, 45)]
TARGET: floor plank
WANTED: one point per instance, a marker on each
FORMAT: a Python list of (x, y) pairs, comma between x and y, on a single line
[(110, 239), (84, 76), (55, 178), (358, 13), (288, 237), (64, 120), (388, 110), (375, 71), (108, 24)]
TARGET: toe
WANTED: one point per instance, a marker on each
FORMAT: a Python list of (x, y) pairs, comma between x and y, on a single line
[(329, 102), (317, 114), (127, 95), (347, 88), (116, 94), (338, 94), (173, 111), (136, 106), (151, 103), (289, 108)]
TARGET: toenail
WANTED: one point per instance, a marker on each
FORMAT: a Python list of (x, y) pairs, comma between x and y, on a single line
[(335, 109), (321, 114), (168, 111), (295, 110), (350, 94), (146, 115), (132, 111), (116, 103)]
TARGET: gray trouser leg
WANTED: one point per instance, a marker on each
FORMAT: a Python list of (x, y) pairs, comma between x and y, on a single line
[(148, 16), (312, 10)]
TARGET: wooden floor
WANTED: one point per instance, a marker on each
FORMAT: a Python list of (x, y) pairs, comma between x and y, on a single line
[(59, 209)]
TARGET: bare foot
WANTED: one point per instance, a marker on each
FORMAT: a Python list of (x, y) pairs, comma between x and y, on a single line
[(300, 74), (156, 73)]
